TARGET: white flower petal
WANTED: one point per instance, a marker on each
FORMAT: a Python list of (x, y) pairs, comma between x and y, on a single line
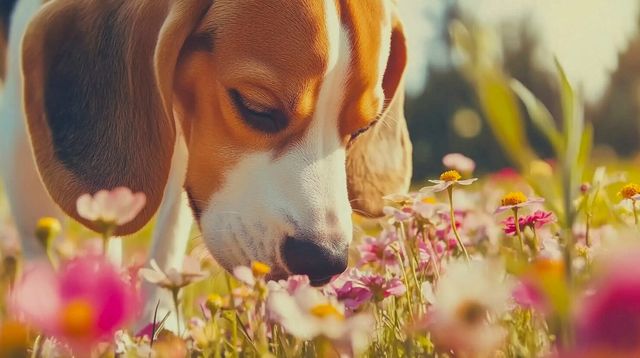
[(427, 292), (152, 276), (467, 181), (84, 206), (245, 275)]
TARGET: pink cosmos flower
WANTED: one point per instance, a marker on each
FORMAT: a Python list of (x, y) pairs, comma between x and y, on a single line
[(352, 295), (535, 220), (378, 250), (397, 215), (425, 255), (609, 319), (382, 287), (83, 304), (291, 284), (118, 206), (526, 294), (354, 288), (459, 162)]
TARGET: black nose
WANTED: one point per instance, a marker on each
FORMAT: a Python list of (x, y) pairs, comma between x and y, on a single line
[(319, 262)]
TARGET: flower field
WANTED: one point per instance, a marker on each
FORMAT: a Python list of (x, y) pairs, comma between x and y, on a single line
[(435, 277), (540, 259)]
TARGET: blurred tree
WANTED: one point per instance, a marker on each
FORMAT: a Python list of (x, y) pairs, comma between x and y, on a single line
[(446, 118)]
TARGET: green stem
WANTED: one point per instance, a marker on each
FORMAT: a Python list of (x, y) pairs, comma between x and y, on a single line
[(412, 264), (176, 305), (587, 236), (635, 212), (234, 322), (518, 231), (536, 242), (406, 279), (107, 233), (453, 225)]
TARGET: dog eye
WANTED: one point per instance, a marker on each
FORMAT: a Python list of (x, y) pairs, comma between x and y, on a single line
[(357, 133), (263, 119)]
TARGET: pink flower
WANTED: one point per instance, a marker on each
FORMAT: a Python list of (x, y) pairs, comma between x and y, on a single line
[(610, 318), (526, 294), (118, 206), (296, 282), (83, 304), (426, 256), (535, 220), (382, 287), (459, 162), (397, 215), (352, 295), (354, 288), (378, 250)]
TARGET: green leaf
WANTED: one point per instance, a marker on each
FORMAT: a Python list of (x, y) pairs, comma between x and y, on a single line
[(540, 115), (501, 110)]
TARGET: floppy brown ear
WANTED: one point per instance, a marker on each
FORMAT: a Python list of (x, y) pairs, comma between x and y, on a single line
[(379, 160), (97, 94)]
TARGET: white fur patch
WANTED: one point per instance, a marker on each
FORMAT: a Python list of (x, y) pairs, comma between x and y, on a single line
[(266, 198), (385, 51)]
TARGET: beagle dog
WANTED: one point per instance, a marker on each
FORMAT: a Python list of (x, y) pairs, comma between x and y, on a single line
[(271, 119)]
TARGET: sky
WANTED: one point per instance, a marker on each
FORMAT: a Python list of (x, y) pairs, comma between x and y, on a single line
[(585, 35)]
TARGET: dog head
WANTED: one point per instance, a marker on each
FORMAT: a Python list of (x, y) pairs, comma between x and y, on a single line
[(269, 95)]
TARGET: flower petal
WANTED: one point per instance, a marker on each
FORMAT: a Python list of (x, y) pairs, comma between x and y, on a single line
[(467, 181)]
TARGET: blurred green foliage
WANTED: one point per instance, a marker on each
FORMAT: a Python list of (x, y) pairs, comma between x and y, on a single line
[(448, 116)]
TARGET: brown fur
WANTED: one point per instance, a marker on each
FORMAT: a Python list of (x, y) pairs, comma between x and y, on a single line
[(101, 78), (98, 95)]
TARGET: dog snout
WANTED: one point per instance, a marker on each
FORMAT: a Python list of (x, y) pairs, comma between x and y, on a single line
[(316, 257)]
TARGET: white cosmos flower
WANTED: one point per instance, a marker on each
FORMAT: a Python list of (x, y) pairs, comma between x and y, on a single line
[(118, 206), (470, 297), (308, 314), (171, 278)]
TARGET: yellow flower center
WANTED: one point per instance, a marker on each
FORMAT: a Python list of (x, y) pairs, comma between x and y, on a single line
[(325, 310), (214, 301), (545, 267), (47, 228), (260, 269), (514, 198), (78, 319), (471, 313), (429, 200), (450, 175), (629, 191), (14, 339)]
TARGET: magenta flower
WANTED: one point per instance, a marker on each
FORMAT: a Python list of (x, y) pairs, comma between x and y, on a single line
[(378, 250), (610, 318), (527, 295), (352, 295), (535, 221), (354, 288), (83, 304), (381, 287)]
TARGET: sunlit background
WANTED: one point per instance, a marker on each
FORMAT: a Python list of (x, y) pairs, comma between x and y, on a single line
[(597, 42)]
